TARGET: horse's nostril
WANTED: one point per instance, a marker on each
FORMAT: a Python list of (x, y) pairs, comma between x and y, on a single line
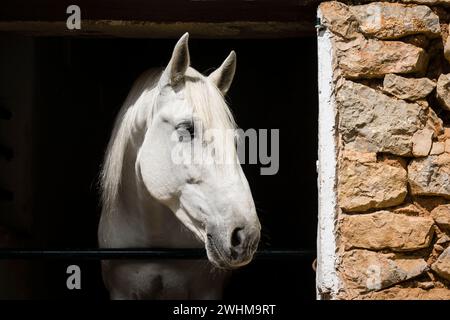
[(237, 237)]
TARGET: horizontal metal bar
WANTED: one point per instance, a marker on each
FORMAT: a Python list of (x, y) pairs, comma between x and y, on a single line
[(139, 254)]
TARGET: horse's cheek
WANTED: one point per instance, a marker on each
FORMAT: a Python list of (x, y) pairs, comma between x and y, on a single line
[(157, 177)]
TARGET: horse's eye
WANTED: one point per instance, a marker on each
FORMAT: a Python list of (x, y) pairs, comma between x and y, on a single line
[(186, 131)]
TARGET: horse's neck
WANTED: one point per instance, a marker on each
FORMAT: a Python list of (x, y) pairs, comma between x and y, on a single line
[(142, 220)]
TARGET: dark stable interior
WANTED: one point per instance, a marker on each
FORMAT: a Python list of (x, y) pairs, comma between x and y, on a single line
[(78, 86)]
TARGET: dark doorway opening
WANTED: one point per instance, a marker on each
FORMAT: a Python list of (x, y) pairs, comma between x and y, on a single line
[(74, 89)]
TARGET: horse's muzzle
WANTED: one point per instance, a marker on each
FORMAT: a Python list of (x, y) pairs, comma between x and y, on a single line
[(235, 250)]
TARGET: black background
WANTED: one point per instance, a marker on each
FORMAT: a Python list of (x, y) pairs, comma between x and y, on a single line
[(80, 85)]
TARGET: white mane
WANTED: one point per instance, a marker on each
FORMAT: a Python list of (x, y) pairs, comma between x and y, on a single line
[(206, 99)]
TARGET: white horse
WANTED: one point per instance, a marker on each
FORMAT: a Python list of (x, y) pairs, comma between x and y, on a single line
[(149, 200)]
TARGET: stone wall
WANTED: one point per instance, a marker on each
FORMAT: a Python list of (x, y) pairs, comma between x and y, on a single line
[(391, 80)]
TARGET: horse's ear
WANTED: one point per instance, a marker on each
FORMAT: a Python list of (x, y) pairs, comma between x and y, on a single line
[(179, 62), (223, 76)]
